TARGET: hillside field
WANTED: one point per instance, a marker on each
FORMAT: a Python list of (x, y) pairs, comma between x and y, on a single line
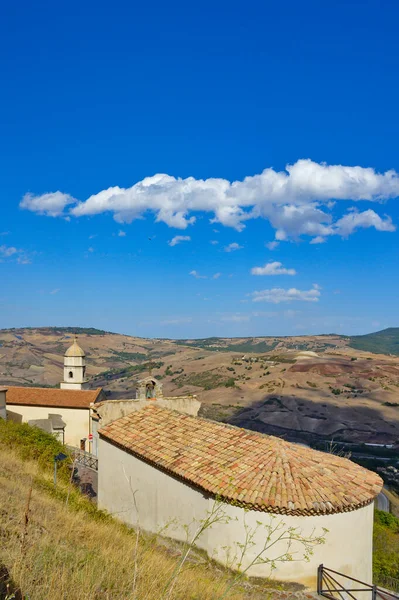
[(298, 387)]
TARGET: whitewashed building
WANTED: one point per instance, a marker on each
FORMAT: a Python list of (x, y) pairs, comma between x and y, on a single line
[(50, 408), (180, 468)]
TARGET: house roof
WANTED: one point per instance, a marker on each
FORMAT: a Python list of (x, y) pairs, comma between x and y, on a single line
[(242, 467), (52, 397)]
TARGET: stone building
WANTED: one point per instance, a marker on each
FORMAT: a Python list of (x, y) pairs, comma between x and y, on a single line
[(179, 466)]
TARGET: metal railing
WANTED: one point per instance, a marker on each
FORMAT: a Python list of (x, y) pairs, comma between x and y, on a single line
[(330, 585), (84, 458)]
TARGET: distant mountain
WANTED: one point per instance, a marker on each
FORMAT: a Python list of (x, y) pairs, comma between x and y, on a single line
[(380, 342)]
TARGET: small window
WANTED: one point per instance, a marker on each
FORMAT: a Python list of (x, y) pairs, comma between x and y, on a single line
[(70, 375)]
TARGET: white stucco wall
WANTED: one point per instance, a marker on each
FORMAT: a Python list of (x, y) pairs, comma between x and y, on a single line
[(3, 410), (77, 419), (161, 500)]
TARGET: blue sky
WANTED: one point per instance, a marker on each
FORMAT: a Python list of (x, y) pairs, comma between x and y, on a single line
[(264, 132)]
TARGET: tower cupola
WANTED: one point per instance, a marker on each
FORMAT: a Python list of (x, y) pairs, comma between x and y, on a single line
[(74, 368)]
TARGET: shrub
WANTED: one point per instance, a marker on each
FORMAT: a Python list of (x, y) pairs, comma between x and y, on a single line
[(33, 443), (230, 382)]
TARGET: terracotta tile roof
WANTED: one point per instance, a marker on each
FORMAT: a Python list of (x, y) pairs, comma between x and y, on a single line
[(34, 396), (252, 470)]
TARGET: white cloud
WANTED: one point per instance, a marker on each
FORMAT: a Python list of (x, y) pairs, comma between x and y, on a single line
[(51, 205), (272, 245), (278, 295), (213, 242), (91, 249), (319, 239), (8, 251), (216, 276), (232, 247), (179, 238), (55, 291), (355, 220), (197, 275), (297, 201), (272, 268), (24, 260), (121, 233)]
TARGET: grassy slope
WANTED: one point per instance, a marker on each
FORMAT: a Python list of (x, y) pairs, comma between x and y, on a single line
[(75, 552), (381, 342), (76, 555)]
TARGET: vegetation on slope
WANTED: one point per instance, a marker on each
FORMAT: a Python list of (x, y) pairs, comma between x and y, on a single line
[(221, 345), (386, 547), (68, 549), (381, 342)]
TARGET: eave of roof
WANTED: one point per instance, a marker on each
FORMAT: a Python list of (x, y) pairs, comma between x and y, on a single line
[(242, 467), (51, 397)]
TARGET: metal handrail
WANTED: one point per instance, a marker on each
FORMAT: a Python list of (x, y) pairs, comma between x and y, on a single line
[(329, 587), (84, 458)]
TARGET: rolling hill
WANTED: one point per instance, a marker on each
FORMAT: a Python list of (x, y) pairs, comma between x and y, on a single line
[(302, 388), (381, 342)]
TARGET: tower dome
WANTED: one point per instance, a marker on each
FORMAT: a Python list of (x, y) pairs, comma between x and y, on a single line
[(75, 350), (74, 368)]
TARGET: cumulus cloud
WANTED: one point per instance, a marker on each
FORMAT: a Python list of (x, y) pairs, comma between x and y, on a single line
[(179, 238), (278, 295), (272, 245), (8, 251), (297, 201), (213, 242), (51, 205), (355, 220), (12, 253), (232, 247), (272, 268), (24, 260), (216, 276), (121, 233), (197, 275)]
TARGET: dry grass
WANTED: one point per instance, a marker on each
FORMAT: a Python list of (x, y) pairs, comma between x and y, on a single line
[(70, 554)]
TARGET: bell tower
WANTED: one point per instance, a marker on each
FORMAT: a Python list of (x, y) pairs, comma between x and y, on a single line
[(74, 368)]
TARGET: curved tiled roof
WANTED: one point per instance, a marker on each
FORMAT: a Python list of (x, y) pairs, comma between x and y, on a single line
[(54, 397), (75, 350), (256, 471)]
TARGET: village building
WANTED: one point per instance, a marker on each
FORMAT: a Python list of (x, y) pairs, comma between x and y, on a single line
[(66, 411), (165, 471)]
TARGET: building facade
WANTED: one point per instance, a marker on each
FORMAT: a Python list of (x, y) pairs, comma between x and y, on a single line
[(183, 468), (65, 412), (73, 407)]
